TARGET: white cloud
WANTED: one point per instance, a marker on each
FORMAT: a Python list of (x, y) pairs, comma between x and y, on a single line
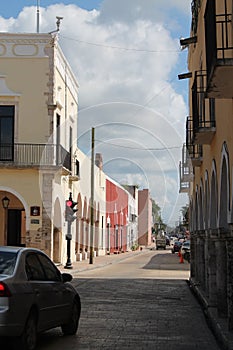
[(124, 57)]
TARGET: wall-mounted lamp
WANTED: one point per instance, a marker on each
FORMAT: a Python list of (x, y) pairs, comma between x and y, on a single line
[(5, 202)]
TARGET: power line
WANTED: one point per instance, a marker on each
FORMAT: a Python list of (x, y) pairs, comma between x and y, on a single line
[(118, 47), (140, 148)]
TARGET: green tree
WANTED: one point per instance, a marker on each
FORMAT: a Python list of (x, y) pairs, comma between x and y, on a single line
[(157, 218)]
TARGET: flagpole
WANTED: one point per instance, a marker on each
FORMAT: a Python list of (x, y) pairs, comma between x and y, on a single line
[(38, 17)]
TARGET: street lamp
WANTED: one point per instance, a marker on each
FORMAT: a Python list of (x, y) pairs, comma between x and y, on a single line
[(108, 226), (5, 204)]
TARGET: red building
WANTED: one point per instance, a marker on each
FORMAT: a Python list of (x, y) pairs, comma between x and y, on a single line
[(116, 217)]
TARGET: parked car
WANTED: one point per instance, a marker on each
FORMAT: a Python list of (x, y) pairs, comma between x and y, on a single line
[(185, 250), (176, 247), (167, 240), (34, 296)]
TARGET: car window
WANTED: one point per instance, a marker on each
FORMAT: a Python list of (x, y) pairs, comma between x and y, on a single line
[(7, 263), (34, 269), (51, 273)]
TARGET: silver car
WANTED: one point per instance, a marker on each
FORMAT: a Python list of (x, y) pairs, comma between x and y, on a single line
[(34, 296)]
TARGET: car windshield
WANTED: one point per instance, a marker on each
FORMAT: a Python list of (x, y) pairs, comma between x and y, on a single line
[(7, 263)]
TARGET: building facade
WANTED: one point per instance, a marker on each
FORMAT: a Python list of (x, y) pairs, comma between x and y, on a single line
[(132, 235), (145, 223), (38, 133), (41, 166), (82, 234), (209, 145), (117, 199)]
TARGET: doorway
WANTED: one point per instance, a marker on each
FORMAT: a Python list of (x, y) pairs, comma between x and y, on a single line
[(14, 227)]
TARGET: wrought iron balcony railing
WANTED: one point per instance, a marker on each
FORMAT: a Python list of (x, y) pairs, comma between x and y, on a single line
[(34, 155), (203, 111), (219, 48), (194, 151), (195, 10)]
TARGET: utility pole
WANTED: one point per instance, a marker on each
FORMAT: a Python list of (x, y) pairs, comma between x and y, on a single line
[(92, 195)]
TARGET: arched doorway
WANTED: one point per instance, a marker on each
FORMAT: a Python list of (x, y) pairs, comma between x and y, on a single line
[(12, 220)]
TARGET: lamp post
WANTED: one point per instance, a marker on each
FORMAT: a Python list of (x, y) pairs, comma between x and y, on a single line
[(5, 204), (68, 264), (108, 226), (69, 217)]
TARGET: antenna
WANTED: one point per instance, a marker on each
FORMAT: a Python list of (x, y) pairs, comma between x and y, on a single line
[(58, 24), (38, 17)]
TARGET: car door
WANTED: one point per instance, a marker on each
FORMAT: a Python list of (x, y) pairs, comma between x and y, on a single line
[(63, 292), (46, 295)]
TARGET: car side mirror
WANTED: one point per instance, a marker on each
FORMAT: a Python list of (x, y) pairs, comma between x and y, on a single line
[(66, 277)]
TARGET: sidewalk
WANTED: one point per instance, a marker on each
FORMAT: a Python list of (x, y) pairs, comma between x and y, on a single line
[(98, 261)]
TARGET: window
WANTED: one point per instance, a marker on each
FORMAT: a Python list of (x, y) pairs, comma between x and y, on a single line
[(7, 133), (34, 269), (51, 273), (40, 268), (7, 263), (77, 168)]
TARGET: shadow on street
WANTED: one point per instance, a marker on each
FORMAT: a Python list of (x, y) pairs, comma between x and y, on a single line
[(166, 262)]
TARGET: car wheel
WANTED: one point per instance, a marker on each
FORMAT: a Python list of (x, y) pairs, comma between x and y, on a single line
[(28, 338), (71, 326)]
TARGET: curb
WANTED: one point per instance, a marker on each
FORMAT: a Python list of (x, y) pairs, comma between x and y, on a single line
[(218, 327)]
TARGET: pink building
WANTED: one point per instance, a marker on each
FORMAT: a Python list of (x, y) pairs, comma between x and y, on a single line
[(144, 217), (116, 217)]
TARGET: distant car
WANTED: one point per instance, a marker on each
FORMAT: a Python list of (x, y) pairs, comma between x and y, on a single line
[(176, 247), (167, 240), (34, 296)]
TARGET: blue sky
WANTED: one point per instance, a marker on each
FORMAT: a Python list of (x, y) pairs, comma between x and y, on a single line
[(12, 8), (126, 57)]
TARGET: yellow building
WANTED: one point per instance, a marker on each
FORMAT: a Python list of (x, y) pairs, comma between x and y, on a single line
[(38, 136), (209, 144)]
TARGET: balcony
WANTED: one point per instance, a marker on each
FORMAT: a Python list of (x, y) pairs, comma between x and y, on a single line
[(203, 111), (21, 155), (219, 48), (194, 151), (195, 7)]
